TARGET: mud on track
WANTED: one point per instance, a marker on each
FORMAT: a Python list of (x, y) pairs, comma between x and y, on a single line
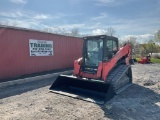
[(33, 101)]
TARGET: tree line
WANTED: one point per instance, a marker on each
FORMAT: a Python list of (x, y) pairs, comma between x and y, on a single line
[(142, 49)]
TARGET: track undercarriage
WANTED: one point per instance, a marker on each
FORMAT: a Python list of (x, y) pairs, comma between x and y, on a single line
[(92, 90)]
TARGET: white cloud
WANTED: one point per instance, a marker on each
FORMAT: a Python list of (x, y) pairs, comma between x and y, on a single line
[(31, 19), (105, 1), (140, 38), (11, 14), (41, 16), (145, 36), (19, 1), (101, 16), (25, 15), (108, 2), (70, 26), (111, 3), (26, 23), (135, 26), (99, 32)]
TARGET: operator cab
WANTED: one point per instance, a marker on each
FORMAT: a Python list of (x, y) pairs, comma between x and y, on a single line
[(98, 49)]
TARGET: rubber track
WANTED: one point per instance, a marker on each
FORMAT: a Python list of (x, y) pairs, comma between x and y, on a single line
[(117, 75)]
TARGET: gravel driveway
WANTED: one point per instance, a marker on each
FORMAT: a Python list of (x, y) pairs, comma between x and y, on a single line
[(33, 101)]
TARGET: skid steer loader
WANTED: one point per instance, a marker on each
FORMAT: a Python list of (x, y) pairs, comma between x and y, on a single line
[(102, 72)]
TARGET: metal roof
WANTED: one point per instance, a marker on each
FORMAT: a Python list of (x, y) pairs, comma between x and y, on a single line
[(28, 29)]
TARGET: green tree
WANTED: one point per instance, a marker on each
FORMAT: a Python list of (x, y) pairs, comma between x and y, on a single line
[(151, 47)]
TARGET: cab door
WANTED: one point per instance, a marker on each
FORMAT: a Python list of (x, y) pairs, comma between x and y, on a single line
[(111, 48)]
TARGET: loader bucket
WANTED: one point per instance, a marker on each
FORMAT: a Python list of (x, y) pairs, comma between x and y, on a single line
[(86, 89)]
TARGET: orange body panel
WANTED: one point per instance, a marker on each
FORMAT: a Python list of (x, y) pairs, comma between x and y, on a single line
[(104, 67)]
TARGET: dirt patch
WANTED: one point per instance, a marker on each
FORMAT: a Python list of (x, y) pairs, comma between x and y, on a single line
[(33, 101)]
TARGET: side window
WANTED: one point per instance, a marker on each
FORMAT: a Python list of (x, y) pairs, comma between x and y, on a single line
[(111, 45), (114, 46)]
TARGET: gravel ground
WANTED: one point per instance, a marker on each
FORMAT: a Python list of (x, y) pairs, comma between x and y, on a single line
[(33, 101)]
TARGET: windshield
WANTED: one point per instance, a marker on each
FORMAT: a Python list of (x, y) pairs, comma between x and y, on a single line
[(93, 54)]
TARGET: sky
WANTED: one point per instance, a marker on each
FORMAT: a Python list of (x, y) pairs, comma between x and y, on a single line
[(139, 18)]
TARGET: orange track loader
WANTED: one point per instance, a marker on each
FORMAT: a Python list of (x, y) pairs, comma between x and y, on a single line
[(102, 72)]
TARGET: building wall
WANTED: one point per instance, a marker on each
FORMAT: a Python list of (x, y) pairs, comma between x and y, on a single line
[(15, 59)]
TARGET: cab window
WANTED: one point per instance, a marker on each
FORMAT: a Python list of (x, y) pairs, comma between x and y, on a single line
[(111, 45)]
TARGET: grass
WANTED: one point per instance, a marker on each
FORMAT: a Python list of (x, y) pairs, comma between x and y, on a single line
[(153, 60), (138, 59)]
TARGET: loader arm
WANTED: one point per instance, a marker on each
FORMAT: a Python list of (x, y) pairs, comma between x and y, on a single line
[(122, 55)]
